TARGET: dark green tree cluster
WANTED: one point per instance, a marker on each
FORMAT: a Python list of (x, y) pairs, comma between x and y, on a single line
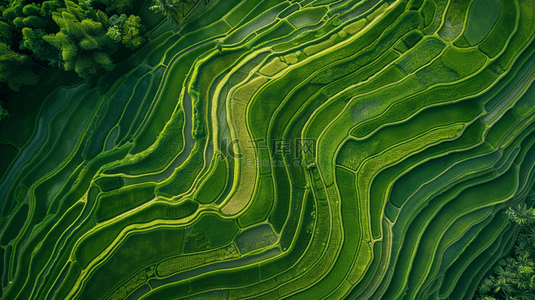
[(16, 69), (513, 277), (22, 26), (82, 39), (126, 30), (69, 34)]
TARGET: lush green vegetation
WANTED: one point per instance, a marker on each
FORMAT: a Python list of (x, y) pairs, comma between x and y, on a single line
[(67, 34), (267, 149), (513, 277)]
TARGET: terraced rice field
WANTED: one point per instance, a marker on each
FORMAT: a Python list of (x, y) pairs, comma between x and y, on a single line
[(282, 149)]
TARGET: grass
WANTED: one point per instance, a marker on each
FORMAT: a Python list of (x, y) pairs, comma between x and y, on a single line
[(138, 250), (169, 144), (487, 236), (261, 203), (463, 62), (15, 224), (131, 197), (307, 16), (454, 20), (210, 232), (134, 104), (255, 238), (184, 176), (210, 189), (481, 18), (428, 11), (421, 55)]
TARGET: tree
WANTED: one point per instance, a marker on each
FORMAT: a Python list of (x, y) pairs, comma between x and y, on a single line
[(117, 20), (5, 32), (83, 41), (16, 69), (172, 8), (513, 277), (131, 31), (502, 285), (33, 17), (13, 11), (69, 34), (31, 10), (33, 41), (49, 7), (127, 30), (521, 215), (486, 285), (168, 8), (114, 33)]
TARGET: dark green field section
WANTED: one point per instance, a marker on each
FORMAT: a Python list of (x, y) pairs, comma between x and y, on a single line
[(273, 149)]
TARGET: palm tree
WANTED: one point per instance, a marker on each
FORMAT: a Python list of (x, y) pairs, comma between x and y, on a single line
[(168, 8), (511, 265), (521, 215), (526, 295), (502, 285), (186, 6), (486, 285), (171, 8), (530, 234), (525, 260)]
